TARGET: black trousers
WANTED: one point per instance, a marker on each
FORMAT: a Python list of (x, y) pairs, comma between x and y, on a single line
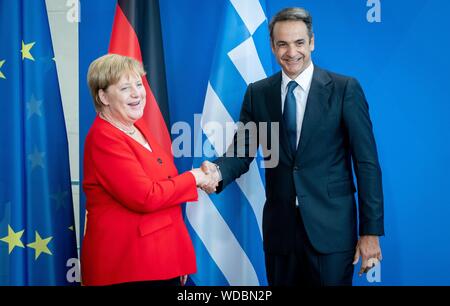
[(306, 267)]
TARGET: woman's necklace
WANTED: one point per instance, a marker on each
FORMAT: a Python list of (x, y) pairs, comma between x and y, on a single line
[(130, 132)]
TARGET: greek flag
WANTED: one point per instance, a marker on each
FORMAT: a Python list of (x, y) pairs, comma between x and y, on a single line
[(227, 229)]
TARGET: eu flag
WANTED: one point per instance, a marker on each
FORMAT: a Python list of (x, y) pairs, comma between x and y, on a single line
[(37, 237)]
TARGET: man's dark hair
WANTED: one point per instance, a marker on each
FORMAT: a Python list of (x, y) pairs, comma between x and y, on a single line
[(292, 14)]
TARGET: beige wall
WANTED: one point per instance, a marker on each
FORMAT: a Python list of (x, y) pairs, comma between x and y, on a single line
[(65, 44)]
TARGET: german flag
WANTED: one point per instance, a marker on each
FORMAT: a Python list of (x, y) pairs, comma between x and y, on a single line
[(137, 33)]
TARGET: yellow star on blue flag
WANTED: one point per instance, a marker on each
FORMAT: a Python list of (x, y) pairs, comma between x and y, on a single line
[(40, 245), (26, 51), (13, 239)]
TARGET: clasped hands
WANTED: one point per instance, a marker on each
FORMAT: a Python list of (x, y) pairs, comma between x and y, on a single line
[(207, 177)]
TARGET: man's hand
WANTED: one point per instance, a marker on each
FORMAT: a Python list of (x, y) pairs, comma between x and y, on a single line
[(210, 170), (200, 177), (369, 248)]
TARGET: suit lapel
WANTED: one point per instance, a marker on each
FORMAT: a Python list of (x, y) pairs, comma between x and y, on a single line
[(316, 107), (273, 104)]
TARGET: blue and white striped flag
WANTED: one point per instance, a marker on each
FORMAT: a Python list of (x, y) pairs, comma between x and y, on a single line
[(227, 229)]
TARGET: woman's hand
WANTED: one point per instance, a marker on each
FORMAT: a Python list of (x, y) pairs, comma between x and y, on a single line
[(205, 181), (200, 177)]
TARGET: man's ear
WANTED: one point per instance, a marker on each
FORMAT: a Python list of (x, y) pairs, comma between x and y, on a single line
[(103, 97), (311, 42), (272, 46)]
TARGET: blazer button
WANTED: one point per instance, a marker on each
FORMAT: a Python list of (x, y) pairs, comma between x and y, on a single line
[(159, 160), (169, 176), (295, 168)]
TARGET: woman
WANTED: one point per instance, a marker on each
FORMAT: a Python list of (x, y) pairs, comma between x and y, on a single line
[(135, 233)]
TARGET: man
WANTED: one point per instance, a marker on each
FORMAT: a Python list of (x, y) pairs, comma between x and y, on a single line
[(310, 216)]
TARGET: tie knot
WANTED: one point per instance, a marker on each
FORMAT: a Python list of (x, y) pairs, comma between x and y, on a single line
[(291, 86)]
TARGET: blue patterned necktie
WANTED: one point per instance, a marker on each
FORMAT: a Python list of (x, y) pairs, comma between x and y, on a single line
[(290, 115)]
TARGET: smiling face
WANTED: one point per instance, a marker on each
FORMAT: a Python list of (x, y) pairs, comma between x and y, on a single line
[(292, 46), (124, 101)]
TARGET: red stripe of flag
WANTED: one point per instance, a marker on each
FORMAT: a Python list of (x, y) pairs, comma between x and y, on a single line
[(125, 41)]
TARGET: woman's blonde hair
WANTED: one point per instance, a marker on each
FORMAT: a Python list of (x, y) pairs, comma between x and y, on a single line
[(107, 70)]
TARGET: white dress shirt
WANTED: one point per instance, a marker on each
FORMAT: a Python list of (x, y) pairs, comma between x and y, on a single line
[(300, 92), (147, 146)]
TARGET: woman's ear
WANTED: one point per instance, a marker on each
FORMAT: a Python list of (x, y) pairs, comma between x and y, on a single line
[(103, 97)]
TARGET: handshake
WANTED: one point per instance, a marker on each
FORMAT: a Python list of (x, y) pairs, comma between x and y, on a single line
[(207, 177)]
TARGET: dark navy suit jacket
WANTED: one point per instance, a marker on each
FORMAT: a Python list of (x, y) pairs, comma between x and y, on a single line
[(336, 132)]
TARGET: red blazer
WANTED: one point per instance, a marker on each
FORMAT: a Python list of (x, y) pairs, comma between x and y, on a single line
[(135, 229)]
